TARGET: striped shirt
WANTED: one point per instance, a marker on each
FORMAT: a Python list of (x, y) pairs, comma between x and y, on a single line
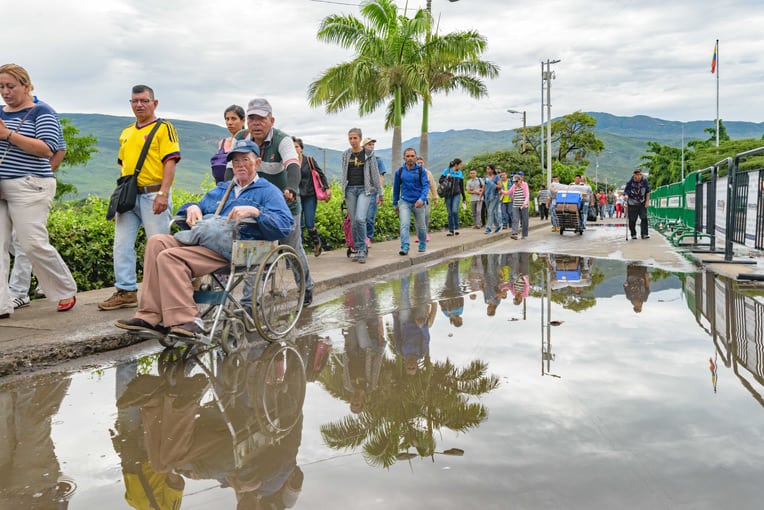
[(41, 123), (518, 196)]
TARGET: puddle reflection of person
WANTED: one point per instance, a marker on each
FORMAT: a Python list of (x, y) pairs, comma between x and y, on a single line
[(493, 293), (30, 475), (413, 320), (520, 281), (637, 285), (364, 348), (452, 305)]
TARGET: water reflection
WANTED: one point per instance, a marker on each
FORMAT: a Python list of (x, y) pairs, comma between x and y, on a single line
[(237, 420), (408, 372), (30, 474), (411, 398)]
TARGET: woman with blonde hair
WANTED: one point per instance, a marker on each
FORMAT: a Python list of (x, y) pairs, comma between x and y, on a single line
[(29, 135)]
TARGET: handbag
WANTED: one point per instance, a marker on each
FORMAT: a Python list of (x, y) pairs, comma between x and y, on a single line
[(124, 195), (318, 184), (212, 231), (219, 163)]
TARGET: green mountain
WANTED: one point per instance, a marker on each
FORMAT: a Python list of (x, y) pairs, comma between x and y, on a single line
[(624, 138)]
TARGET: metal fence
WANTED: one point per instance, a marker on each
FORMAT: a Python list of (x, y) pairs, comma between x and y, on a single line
[(719, 204)]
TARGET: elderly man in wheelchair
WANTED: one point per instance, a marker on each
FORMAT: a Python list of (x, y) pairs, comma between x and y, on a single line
[(167, 305)]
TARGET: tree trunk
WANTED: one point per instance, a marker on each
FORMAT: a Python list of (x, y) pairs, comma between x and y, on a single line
[(424, 138), (397, 157)]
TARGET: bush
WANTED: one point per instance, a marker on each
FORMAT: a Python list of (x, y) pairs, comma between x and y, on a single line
[(85, 239)]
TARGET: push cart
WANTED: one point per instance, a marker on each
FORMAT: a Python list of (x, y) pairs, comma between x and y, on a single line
[(569, 211)]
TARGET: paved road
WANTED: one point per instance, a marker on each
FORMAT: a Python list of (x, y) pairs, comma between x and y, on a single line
[(37, 336)]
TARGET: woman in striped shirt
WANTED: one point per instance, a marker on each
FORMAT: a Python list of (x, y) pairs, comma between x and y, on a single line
[(29, 136)]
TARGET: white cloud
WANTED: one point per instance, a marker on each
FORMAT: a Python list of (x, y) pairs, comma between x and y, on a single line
[(625, 58)]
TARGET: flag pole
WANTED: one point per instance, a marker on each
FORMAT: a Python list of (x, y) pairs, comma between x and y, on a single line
[(717, 92)]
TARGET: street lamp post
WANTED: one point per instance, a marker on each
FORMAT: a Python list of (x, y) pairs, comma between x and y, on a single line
[(547, 76), (524, 119)]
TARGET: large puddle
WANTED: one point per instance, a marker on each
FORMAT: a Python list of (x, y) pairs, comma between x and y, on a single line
[(494, 381)]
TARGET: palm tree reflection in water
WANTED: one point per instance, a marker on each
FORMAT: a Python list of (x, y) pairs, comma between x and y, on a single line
[(405, 404)]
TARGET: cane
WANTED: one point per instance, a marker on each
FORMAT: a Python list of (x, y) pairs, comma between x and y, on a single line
[(626, 217)]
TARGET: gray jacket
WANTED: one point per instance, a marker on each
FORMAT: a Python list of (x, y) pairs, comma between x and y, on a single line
[(371, 180)]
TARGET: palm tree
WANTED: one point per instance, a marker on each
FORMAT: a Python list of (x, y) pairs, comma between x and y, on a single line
[(451, 62), (407, 411), (385, 67)]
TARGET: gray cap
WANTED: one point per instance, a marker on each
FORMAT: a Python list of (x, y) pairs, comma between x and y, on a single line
[(259, 106)]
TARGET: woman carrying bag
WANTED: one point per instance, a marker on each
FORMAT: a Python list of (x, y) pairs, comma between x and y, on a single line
[(453, 191), (313, 187), (234, 120)]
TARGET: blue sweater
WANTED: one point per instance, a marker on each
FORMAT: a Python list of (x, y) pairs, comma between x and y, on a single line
[(275, 221), (410, 185)]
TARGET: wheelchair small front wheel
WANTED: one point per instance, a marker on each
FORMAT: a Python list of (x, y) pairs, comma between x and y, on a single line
[(233, 336), (279, 293)]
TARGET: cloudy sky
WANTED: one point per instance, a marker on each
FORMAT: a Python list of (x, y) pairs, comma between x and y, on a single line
[(618, 56)]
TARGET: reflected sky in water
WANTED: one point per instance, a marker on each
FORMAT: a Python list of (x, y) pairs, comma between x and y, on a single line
[(495, 381)]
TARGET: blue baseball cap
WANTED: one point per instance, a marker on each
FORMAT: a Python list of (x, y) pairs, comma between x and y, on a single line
[(520, 173), (243, 146)]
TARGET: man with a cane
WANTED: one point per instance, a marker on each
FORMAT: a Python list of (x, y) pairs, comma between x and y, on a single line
[(637, 194)]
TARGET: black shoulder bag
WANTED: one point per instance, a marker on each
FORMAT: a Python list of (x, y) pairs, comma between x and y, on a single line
[(124, 195)]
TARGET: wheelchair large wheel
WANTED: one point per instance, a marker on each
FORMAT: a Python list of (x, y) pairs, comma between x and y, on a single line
[(279, 293), (276, 386)]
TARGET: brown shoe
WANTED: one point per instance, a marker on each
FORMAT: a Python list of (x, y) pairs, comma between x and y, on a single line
[(120, 299)]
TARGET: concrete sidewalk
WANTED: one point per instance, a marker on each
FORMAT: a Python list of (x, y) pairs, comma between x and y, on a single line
[(36, 335)]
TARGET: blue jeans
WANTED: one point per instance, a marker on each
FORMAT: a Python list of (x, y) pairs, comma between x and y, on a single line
[(126, 231), (357, 202), (506, 213), (603, 211), (493, 218), (405, 209), (371, 215), (309, 204), (584, 214), (452, 208), (553, 212)]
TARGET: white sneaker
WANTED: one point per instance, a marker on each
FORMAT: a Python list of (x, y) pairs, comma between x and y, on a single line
[(20, 302)]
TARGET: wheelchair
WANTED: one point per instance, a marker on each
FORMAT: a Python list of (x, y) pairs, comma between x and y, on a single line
[(276, 279)]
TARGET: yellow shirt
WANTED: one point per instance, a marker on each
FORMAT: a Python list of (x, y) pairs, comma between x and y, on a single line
[(164, 146), (505, 187)]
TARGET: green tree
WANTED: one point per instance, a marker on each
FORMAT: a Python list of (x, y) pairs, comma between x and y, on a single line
[(386, 67), (452, 62), (78, 152)]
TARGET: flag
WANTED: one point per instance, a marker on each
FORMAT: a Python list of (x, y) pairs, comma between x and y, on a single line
[(713, 61)]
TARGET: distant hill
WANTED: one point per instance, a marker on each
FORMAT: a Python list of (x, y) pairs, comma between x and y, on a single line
[(624, 139)]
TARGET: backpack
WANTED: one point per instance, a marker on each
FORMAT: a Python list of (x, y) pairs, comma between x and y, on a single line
[(445, 186)]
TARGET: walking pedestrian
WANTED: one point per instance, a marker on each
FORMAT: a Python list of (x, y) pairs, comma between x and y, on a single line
[(308, 198), (520, 195), (637, 193), (492, 200), (454, 194), (542, 199), (432, 197), (360, 181), (371, 214), (410, 189), (475, 188), (153, 204)]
